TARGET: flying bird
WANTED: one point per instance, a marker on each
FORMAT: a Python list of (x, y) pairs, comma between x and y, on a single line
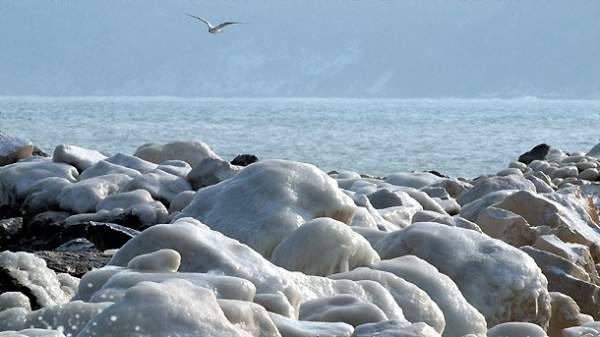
[(214, 29)]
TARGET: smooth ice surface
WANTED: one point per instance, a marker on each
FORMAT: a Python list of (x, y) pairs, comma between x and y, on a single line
[(192, 152), (294, 328), (11, 299), (460, 316), (164, 260), (162, 186), (395, 329), (266, 201), (84, 195), (516, 329), (486, 185), (501, 281), (77, 156), (341, 308), (32, 333), (324, 246)]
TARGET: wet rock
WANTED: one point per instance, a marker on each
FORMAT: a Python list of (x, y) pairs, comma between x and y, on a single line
[(74, 263)]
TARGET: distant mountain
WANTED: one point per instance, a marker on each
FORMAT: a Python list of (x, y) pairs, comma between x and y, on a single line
[(400, 48)]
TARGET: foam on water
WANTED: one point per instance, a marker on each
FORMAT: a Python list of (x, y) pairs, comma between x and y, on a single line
[(464, 137)]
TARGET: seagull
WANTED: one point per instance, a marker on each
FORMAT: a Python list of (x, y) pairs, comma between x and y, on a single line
[(214, 29)]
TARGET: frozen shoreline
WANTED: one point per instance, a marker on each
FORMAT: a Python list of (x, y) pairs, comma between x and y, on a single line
[(271, 247)]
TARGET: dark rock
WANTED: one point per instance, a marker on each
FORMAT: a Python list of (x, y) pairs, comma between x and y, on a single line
[(74, 263), (40, 222), (39, 152), (9, 229), (103, 235), (540, 152), (244, 160), (436, 173)]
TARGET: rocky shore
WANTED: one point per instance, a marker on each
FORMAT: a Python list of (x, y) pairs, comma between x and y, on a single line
[(176, 241)]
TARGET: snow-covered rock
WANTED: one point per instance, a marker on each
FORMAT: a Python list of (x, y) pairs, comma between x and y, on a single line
[(14, 299), (84, 195), (104, 167), (192, 152), (77, 156), (486, 185), (323, 246), (162, 186), (266, 201), (124, 200), (44, 195), (509, 285)]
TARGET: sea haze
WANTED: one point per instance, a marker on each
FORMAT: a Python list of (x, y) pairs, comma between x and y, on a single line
[(460, 137)]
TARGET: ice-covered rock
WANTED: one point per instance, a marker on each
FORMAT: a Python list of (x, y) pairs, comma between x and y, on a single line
[(516, 329), (77, 156), (565, 314), (414, 180), (266, 201), (162, 186), (204, 250), (191, 152), (16, 179), (27, 273), (181, 200), (323, 246), (104, 167), (576, 253), (69, 318), (385, 198), (341, 308), (249, 317), (84, 195), (32, 333), (124, 200), (456, 221), (509, 285), (14, 299), (171, 308), (472, 210), (164, 260), (294, 328), (394, 328), (12, 149), (460, 316), (132, 162), (484, 186), (176, 167), (211, 171), (506, 226), (137, 216), (370, 234), (416, 305), (44, 195)]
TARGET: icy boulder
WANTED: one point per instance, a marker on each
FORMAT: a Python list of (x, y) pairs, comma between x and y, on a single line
[(132, 162), (32, 333), (395, 329), (341, 308), (69, 318), (191, 152), (124, 200), (484, 186), (83, 196), (266, 201), (14, 299), (162, 186), (516, 329), (77, 156), (414, 180), (13, 148), (507, 226), (508, 286), (176, 167), (203, 250), (324, 246), (172, 308), (16, 179), (294, 328), (44, 195), (460, 316), (104, 167), (416, 305), (249, 317), (24, 271), (211, 171)]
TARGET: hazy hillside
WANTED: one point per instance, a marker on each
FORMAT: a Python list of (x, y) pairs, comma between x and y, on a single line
[(301, 48)]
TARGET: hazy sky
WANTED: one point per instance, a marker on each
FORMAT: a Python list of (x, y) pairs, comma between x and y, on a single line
[(392, 48)]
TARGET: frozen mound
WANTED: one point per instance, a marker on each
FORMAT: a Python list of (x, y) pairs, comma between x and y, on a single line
[(28, 274), (323, 246), (507, 226), (164, 260), (14, 299), (191, 152), (84, 195), (124, 200), (508, 286), (176, 167), (32, 333), (132, 162), (395, 329), (16, 179), (203, 250), (181, 200), (266, 201), (69, 318), (460, 316), (455, 221), (472, 210), (516, 329), (162, 186), (44, 195), (104, 167), (76, 156), (171, 308), (415, 180), (416, 305), (249, 317), (293, 328), (341, 308), (12, 149), (211, 171), (140, 215), (484, 186)]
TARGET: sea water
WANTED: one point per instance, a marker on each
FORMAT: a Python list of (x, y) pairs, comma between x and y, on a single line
[(459, 137)]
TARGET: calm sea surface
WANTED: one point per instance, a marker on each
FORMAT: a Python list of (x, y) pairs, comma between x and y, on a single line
[(455, 136)]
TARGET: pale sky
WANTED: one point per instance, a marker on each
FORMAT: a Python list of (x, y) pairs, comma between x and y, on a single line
[(344, 48)]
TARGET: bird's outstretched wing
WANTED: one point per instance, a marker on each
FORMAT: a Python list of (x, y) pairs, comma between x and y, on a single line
[(201, 19), (228, 23)]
